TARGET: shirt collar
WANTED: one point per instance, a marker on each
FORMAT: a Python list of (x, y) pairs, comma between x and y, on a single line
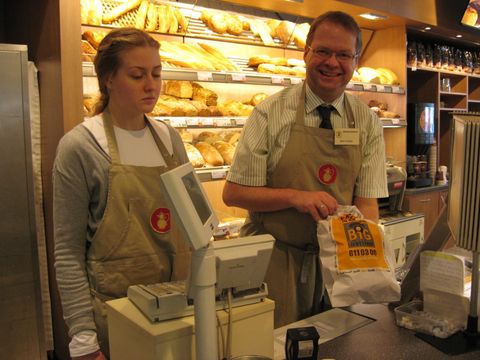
[(312, 101)]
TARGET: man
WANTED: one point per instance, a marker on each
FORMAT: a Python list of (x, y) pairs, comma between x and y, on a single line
[(291, 170)]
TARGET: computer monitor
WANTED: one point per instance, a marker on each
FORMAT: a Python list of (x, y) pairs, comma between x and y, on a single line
[(192, 210), (241, 263)]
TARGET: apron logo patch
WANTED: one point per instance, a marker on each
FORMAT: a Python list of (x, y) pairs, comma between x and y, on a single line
[(160, 220), (327, 174)]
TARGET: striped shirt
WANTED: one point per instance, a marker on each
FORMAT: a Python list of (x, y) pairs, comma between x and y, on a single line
[(267, 132)]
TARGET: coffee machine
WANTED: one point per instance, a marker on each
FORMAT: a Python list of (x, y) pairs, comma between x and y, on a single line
[(420, 136)]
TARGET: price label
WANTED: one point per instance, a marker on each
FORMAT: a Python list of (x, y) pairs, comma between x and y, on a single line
[(395, 121), (387, 89), (204, 76), (295, 80), (239, 77), (219, 174), (278, 80), (369, 87)]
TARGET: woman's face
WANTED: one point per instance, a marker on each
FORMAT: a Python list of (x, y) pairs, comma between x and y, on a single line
[(328, 76), (135, 87)]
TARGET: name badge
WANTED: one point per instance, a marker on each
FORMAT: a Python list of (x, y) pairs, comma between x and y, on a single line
[(347, 136)]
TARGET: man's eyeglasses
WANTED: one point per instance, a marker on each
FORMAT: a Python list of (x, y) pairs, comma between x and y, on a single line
[(325, 54)]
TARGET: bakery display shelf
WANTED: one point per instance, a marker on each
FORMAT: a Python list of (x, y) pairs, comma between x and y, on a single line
[(195, 26), (249, 76), (452, 93), (453, 109), (243, 77), (212, 173), (393, 122), (358, 86), (199, 122)]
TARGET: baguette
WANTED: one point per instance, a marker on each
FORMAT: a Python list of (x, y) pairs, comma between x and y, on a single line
[(194, 155), (152, 17), (163, 20), (182, 21), (119, 10), (172, 20), (141, 15)]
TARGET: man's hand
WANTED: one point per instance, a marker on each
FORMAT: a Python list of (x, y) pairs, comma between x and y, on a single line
[(318, 204), (97, 355)]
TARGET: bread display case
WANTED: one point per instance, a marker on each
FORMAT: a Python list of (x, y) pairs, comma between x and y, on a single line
[(205, 50)]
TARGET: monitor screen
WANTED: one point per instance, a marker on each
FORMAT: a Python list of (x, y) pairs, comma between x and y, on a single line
[(196, 196), (186, 197), (471, 14)]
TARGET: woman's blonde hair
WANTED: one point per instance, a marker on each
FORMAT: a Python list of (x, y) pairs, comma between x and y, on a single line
[(108, 58)]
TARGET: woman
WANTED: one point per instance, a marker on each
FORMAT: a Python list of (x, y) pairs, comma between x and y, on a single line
[(112, 225)]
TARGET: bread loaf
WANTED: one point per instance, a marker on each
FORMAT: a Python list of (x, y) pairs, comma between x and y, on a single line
[(207, 96), (93, 37), (172, 20), (258, 59), (179, 88), (194, 155), (226, 150), (152, 17), (182, 22), (119, 10), (163, 19), (285, 31), (232, 137), (273, 24), (87, 48), (202, 108), (208, 136), (234, 25), (95, 11), (210, 154), (218, 23), (258, 98), (141, 15), (186, 135)]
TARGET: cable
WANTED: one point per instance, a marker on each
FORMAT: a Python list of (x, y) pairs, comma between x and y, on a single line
[(222, 350), (229, 331)]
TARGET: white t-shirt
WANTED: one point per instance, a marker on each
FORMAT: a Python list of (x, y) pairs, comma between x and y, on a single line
[(135, 147)]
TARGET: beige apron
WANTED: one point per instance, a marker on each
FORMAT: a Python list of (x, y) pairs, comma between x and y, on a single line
[(294, 274), (137, 241)]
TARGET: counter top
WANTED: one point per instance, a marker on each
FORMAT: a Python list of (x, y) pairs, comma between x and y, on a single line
[(413, 191), (383, 339)]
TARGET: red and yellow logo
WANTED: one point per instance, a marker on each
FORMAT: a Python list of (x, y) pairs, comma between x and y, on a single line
[(160, 220), (327, 174)]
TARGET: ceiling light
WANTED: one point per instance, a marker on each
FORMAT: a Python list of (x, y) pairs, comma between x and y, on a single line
[(458, 36), (427, 28), (372, 16)]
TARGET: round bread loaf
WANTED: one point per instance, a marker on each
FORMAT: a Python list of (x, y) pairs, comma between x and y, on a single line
[(211, 155)]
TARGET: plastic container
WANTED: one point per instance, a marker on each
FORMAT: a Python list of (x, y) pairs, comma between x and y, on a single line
[(412, 316)]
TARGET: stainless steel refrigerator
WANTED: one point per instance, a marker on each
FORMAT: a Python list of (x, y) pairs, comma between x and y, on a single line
[(21, 320)]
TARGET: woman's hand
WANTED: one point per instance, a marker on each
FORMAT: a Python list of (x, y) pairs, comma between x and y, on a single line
[(97, 355)]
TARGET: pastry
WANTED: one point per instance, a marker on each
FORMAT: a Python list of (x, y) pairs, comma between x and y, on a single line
[(258, 59)]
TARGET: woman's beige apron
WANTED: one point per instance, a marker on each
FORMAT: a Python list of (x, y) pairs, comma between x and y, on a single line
[(137, 241), (312, 162)]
